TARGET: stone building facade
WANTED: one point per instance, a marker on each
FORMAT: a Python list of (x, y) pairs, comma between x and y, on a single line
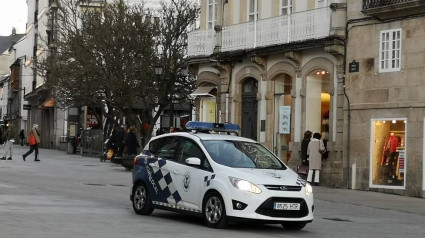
[(385, 90), (275, 68)]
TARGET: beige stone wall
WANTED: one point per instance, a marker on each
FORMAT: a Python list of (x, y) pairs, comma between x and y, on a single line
[(369, 88), (204, 15), (228, 13), (243, 11), (387, 95), (311, 4), (276, 8), (354, 8)]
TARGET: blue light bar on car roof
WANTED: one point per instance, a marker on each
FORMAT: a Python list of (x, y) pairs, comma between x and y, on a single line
[(209, 126)]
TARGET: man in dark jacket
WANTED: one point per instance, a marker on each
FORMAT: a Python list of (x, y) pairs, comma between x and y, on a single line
[(116, 141)]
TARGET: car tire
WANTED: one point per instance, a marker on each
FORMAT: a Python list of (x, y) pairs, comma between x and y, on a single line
[(142, 203), (294, 225), (214, 211)]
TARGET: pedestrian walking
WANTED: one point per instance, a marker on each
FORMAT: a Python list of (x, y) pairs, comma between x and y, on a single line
[(315, 150), (33, 141), (131, 142), (22, 137), (75, 141), (116, 141), (9, 136)]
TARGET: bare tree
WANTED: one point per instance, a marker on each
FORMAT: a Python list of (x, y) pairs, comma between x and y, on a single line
[(105, 56)]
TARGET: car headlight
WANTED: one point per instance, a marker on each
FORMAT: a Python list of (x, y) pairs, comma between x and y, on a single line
[(244, 185), (308, 189)]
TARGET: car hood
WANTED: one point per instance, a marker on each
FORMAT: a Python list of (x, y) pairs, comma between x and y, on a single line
[(265, 176)]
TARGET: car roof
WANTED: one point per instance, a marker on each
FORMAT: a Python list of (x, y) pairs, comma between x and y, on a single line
[(207, 136)]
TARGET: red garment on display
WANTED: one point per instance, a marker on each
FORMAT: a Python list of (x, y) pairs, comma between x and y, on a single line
[(391, 143)]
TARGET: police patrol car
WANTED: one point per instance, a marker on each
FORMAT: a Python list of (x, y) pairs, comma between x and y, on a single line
[(219, 177)]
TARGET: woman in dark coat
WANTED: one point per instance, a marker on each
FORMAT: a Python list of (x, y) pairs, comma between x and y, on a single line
[(131, 141), (304, 146)]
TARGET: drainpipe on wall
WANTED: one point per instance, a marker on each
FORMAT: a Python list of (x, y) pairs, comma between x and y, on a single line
[(345, 93)]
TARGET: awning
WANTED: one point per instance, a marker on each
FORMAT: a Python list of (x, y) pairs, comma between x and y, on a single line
[(49, 103), (203, 91)]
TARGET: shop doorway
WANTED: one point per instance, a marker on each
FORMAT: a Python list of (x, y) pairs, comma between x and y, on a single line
[(318, 102), (282, 117), (249, 108)]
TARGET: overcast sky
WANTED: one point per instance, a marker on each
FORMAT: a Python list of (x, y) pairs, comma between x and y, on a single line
[(13, 13)]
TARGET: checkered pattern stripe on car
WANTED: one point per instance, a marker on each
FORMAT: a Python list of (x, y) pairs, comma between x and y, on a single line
[(301, 181), (163, 177), (208, 180)]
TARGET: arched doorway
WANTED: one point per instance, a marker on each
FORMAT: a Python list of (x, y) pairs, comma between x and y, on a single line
[(318, 102), (282, 116), (249, 108)]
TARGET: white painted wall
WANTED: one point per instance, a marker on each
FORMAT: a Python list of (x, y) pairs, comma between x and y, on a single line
[(313, 104)]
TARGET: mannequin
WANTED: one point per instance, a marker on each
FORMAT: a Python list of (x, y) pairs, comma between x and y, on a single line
[(389, 153)]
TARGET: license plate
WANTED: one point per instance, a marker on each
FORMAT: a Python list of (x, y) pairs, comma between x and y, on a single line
[(286, 206)]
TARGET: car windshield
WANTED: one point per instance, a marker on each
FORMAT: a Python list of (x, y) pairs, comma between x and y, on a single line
[(241, 154)]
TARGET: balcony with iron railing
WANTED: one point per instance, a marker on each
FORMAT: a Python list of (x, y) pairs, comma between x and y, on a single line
[(386, 9), (300, 26)]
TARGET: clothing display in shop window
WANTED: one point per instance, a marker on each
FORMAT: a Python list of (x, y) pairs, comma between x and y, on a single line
[(389, 155), (390, 147)]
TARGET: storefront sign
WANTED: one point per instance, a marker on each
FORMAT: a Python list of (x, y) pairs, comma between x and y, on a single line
[(92, 120), (284, 120), (353, 67)]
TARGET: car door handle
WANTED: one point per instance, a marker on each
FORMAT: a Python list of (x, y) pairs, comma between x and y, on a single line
[(176, 172)]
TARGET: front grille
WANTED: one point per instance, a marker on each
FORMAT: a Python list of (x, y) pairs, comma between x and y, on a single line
[(283, 187), (266, 208)]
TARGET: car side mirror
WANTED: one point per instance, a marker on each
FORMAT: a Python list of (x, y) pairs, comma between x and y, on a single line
[(193, 161)]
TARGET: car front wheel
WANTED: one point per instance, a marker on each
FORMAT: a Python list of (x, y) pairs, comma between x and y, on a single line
[(214, 211), (142, 204), (294, 225)]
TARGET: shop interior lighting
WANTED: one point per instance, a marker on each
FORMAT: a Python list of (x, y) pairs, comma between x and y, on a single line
[(394, 121)]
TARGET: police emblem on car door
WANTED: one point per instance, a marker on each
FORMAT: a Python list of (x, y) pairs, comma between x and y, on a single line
[(192, 176)]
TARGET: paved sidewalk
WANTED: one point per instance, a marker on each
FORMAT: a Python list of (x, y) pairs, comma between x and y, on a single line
[(337, 195), (371, 199)]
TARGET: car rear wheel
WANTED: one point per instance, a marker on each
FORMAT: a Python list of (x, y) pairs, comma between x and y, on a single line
[(142, 204), (294, 225), (214, 211)]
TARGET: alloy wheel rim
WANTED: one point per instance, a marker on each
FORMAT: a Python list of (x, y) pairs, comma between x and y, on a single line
[(213, 210), (140, 198)]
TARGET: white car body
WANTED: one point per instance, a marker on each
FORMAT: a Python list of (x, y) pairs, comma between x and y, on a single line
[(190, 184)]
